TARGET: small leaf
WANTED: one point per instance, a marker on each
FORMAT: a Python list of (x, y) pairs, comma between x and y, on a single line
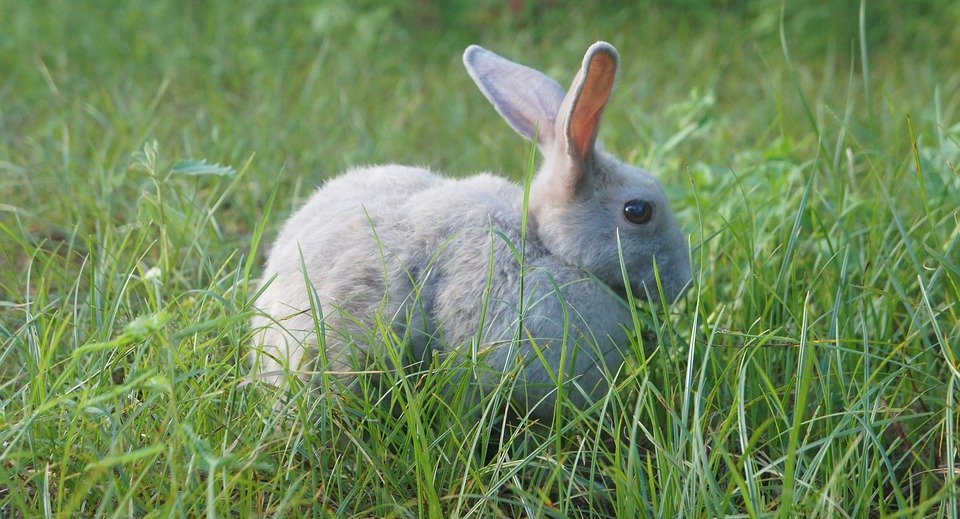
[(202, 167)]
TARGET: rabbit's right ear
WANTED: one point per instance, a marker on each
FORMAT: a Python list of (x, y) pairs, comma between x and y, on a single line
[(526, 98), (580, 112)]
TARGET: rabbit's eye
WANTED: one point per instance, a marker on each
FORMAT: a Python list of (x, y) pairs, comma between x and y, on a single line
[(638, 211)]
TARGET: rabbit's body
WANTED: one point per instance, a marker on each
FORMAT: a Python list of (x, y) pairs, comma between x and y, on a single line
[(439, 258), (353, 239)]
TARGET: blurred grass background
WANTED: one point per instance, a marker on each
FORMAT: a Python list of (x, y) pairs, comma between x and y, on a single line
[(811, 150)]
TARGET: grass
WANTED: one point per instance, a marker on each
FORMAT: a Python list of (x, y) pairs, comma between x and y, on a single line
[(812, 152)]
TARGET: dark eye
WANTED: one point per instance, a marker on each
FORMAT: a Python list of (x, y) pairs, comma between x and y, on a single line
[(638, 211)]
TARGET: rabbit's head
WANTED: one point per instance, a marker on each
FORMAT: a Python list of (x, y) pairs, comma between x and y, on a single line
[(587, 205)]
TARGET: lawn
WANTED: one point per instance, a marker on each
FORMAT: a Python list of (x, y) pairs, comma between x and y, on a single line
[(150, 151)]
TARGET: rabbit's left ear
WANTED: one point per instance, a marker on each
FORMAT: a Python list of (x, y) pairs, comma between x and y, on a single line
[(579, 115), (526, 98)]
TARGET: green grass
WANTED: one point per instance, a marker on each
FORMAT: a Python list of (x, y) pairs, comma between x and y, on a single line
[(811, 150)]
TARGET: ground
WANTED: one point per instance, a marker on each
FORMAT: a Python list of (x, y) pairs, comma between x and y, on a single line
[(149, 152)]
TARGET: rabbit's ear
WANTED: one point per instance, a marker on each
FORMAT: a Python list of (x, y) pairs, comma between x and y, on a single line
[(579, 116), (526, 98)]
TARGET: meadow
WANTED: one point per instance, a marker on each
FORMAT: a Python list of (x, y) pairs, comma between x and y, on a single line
[(149, 152)]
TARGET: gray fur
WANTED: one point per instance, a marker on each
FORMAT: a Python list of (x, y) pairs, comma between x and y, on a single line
[(431, 254)]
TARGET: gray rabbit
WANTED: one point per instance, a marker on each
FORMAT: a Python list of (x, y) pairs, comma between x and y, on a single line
[(438, 258)]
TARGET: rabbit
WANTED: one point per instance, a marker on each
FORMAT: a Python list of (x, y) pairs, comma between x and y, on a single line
[(439, 258)]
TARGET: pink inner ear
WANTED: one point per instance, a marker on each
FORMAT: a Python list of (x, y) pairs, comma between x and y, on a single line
[(588, 107)]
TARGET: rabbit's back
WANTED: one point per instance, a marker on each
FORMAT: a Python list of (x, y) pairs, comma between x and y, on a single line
[(404, 244), (326, 262)]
